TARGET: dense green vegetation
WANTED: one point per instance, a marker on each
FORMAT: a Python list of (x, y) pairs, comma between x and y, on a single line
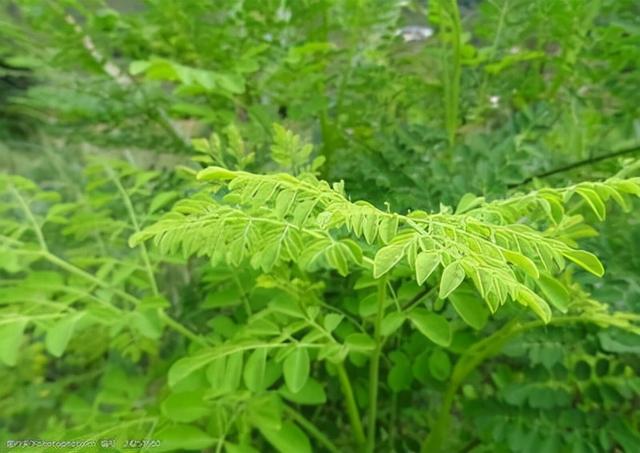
[(320, 225)]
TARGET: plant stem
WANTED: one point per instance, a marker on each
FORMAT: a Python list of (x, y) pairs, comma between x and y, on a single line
[(27, 211), (352, 407), (53, 259), (581, 163), (311, 429), (452, 71), (374, 368), (136, 226), (175, 325)]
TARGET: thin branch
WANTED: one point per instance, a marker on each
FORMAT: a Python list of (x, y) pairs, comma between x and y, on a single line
[(311, 429), (36, 227), (136, 225), (351, 405), (578, 164)]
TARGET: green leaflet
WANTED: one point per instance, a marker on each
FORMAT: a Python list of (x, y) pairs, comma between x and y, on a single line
[(388, 228), (426, 263), (468, 202), (183, 437), (312, 393), (161, 200), (452, 276), (254, 370), (360, 342), (332, 320), (288, 439), (60, 333), (11, 332), (391, 323), (296, 369), (232, 372), (216, 174), (470, 307), (386, 258), (586, 260), (186, 366), (435, 327), (555, 292), (535, 303), (594, 201), (185, 407), (522, 262), (439, 365)]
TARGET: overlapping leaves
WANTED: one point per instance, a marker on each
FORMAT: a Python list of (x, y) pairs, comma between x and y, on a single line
[(271, 220)]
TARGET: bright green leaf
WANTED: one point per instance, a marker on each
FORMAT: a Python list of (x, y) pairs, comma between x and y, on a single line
[(60, 333), (435, 327), (254, 370), (185, 407), (312, 393), (182, 437), (11, 332), (586, 260), (555, 292), (288, 439), (470, 307), (522, 262), (296, 369), (535, 303), (360, 342), (452, 276), (391, 323), (386, 258), (332, 320), (426, 263), (216, 174)]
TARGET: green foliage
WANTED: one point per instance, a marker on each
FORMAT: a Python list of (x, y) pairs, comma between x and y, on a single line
[(306, 226)]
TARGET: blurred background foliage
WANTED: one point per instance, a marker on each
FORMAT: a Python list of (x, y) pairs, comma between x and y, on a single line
[(410, 103)]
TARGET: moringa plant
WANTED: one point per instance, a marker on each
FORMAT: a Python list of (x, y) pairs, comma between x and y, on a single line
[(464, 266), (271, 294), (301, 291)]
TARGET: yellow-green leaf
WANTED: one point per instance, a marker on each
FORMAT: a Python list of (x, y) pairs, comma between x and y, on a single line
[(386, 258), (585, 260), (535, 303), (215, 174), (452, 277), (555, 292), (594, 201), (10, 339), (426, 263), (522, 262)]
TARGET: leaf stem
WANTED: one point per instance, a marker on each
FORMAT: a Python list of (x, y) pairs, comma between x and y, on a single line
[(374, 369), (27, 211), (175, 325), (311, 429), (136, 225), (352, 407)]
